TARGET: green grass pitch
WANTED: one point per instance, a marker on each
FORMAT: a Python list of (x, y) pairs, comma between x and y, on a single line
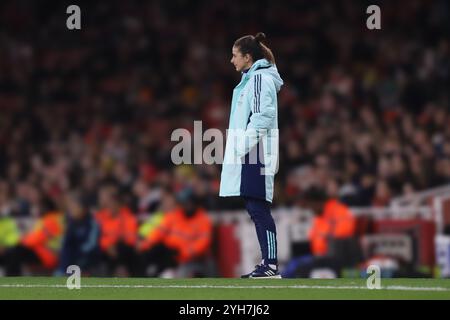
[(53, 288)]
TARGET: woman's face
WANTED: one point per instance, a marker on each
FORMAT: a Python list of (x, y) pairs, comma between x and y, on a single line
[(240, 62)]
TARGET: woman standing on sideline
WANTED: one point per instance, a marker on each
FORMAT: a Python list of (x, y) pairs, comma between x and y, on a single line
[(251, 151)]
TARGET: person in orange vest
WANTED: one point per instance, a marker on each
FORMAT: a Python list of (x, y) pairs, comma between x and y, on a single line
[(39, 246), (183, 235), (333, 221), (118, 232)]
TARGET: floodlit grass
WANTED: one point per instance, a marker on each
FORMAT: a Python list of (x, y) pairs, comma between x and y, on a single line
[(54, 288)]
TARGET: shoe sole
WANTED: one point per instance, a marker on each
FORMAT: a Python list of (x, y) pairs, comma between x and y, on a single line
[(267, 277)]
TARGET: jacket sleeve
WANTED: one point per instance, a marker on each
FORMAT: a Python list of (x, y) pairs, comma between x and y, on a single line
[(263, 112)]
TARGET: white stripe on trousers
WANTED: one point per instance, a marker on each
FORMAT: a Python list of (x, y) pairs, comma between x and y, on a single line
[(271, 244)]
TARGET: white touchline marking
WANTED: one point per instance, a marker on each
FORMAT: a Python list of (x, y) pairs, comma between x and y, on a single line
[(398, 288)]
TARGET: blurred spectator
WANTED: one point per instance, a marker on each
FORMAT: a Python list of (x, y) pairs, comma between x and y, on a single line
[(9, 232), (166, 204), (148, 198), (81, 238), (331, 237), (39, 247), (76, 111), (183, 236), (333, 221), (118, 233)]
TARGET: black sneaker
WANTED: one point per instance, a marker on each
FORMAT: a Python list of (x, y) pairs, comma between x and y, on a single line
[(263, 271), (246, 276)]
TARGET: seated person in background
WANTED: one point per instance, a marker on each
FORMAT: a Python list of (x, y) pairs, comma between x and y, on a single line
[(332, 227), (166, 203), (9, 233), (40, 246), (183, 235), (333, 220), (118, 233), (81, 240)]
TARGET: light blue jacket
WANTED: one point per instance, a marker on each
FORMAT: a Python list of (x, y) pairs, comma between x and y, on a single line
[(251, 152)]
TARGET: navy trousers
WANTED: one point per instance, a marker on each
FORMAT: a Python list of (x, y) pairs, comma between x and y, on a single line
[(259, 211)]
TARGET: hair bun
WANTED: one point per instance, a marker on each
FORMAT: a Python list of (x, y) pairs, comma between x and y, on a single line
[(260, 36)]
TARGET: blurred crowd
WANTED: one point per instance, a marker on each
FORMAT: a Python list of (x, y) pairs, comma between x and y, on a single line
[(110, 241), (364, 114)]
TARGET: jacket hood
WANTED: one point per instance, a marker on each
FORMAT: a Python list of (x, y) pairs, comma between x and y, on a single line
[(264, 66)]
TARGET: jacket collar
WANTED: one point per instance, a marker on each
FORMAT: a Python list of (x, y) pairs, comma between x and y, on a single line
[(258, 64)]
